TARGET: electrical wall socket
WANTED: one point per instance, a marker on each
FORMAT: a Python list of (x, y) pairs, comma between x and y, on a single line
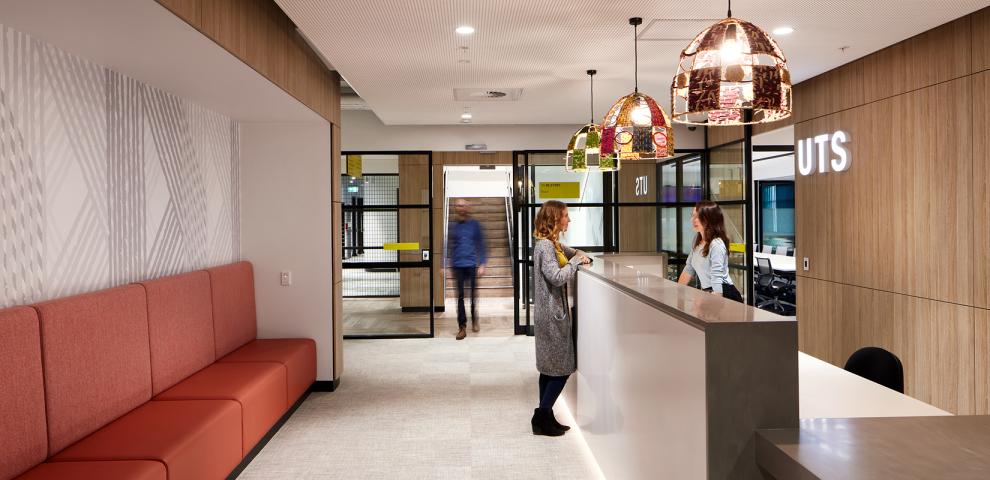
[(285, 278)]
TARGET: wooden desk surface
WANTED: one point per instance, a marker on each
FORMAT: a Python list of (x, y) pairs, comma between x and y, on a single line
[(942, 447)]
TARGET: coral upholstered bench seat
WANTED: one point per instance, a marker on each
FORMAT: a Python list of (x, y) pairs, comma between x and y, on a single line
[(193, 438), (296, 355), (161, 380), (111, 470), (258, 389), (236, 328)]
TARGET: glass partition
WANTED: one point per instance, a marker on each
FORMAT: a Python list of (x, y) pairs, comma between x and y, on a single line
[(387, 237)]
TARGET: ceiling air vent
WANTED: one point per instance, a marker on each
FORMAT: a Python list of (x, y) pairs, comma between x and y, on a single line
[(487, 94)]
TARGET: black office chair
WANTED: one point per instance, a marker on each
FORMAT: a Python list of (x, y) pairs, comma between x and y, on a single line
[(879, 366), (770, 288)]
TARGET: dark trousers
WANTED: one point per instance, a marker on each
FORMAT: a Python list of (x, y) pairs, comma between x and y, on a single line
[(731, 292), (465, 275), (550, 388)]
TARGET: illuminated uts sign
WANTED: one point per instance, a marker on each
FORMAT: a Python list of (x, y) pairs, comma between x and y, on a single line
[(812, 149)]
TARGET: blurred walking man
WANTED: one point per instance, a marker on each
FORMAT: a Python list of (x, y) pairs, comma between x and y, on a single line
[(466, 251)]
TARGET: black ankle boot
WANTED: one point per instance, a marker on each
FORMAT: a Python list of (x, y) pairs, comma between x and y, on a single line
[(557, 424), (543, 424)]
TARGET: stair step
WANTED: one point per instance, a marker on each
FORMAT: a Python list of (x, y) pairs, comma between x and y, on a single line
[(491, 292), (484, 281), (490, 271)]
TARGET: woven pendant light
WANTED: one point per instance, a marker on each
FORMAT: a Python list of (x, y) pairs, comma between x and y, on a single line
[(733, 73), (584, 149), (636, 128)]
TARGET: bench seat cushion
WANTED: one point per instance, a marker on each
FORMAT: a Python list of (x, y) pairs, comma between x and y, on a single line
[(258, 388), (112, 470), (195, 439), (298, 355)]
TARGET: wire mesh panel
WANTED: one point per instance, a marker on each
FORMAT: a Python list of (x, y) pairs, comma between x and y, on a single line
[(371, 282)]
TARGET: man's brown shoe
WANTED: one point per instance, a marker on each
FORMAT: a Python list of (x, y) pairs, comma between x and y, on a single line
[(474, 326), (461, 334)]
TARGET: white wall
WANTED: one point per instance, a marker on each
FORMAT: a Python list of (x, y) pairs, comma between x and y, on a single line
[(362, 130), (471, 182), (285, 225)]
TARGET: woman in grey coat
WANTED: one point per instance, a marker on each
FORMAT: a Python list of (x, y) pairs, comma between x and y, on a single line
[(554, 266)]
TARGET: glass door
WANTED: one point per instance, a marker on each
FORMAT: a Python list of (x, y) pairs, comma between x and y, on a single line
[(387, 244), (540, 176)]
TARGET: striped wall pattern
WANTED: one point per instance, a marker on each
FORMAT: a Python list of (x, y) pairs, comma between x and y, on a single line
[(105, 180)]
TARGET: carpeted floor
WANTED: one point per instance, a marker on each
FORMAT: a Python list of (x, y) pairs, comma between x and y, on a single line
[(423, 409)]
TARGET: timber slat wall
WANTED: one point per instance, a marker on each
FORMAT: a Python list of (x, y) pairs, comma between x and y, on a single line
[(899, 245), (264, 38)]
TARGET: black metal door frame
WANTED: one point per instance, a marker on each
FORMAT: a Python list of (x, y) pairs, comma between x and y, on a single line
[(357, 210)]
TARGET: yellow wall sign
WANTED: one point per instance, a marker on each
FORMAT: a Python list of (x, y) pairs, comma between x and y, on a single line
[(737, 247), (354, 165), (560, 190), (401, 246)]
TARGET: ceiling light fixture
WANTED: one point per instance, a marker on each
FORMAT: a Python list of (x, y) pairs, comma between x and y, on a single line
[(466, 116), (732, 73), (464, 30), (636, 127), (785, 30), (584, 149)]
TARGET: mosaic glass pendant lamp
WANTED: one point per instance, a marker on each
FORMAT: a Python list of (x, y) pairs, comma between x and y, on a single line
[(584, 149), (733, 73), (636, 128)]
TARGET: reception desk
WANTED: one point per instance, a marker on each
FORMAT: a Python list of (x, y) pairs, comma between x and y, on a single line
[(672, 382)]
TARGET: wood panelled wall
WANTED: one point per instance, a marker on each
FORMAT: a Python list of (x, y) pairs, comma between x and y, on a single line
[(898, 244), (260, 34), (264, 38)]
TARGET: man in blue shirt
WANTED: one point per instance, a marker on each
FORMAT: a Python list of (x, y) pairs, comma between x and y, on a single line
[(467, 255)]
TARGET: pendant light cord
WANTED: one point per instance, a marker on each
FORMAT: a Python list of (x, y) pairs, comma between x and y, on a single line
[(636, 55), (592, 75), (730, 8)]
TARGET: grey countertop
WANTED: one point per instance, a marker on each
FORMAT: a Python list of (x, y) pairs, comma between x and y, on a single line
[(905, 447), (640, 276)]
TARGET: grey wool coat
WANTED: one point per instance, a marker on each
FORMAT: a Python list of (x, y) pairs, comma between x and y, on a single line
[(555, 354)]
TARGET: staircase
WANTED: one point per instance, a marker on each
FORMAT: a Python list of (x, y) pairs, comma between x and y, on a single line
[(497, 281)]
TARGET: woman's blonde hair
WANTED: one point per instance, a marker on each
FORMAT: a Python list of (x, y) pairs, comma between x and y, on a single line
[(547, 223)]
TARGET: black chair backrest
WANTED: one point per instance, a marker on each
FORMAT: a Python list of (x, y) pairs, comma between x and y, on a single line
[(879, 366), (763, 266)]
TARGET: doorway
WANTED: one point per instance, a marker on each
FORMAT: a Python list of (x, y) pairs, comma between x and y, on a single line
[(487, 191)]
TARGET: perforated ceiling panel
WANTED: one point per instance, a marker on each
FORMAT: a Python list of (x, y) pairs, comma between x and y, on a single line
[(405, 60)]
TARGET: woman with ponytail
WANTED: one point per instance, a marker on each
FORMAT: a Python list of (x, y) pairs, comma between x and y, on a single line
[(554, 266)]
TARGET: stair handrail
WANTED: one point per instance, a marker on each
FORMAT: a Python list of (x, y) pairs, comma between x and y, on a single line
[(446, 230), (508, 223)]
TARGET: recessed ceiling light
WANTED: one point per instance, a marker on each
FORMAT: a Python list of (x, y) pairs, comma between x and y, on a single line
[(465, 120), (465, 30), (783, 30), (466, 116)]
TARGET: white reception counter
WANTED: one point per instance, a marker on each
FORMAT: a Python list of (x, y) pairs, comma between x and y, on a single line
[(672, 382)]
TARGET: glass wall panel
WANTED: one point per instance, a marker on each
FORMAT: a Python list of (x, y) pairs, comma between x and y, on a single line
[(668, 189), (668, 229), (726, 173), (691, 184), (777, 212), (389, 312), (687, 230)]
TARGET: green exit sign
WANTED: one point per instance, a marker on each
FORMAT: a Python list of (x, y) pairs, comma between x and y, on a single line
[(352, 189)]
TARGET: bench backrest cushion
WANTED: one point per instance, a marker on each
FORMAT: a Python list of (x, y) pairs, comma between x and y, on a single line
[(97, 360), (180, 323), (234, 320), (23, 434)]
